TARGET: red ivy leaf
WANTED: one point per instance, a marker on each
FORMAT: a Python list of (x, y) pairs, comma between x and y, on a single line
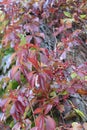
[(45, 51), (39, 122), (34, 62), (31, 46), (48, 72), (38, 110), (3, 104), (41, 81), (37, 40), (48, 108), (29, 38), (14, 113), (40, 35), (5, 2), (19, 107), (50, 123), (31, 78), (13, 71), (82, 91), (52, 10)]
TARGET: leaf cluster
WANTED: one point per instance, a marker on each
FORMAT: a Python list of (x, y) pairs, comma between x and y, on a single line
[(35, 81)]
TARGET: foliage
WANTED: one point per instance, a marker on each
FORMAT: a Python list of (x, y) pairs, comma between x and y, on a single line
[(35, 82)]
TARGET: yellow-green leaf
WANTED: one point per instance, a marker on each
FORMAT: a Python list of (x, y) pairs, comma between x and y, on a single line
[(2, 16), (80, 113), (63, 93), (23, 39), (85, 78), (53, 94), (67, 14), (82, 16), (73, 75)]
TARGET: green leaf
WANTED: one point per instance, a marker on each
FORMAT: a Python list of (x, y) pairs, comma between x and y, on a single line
[(9, 51), (28, 112), (3, 25), (85, 78), (80, 113), (63, 93), (11, 124), (73, 75), (33, 48), (12, 85), (82, 16), (53, 94), (2, 16), (67, 14), (23, 79), (23, 39), (68, 20), (2, 92)]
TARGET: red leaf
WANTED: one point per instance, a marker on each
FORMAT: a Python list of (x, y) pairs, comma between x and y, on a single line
[(38, 110), (34, 62), (28, 38), (41, 81), (40, 35), (59, 30), (13, 71), (39, 122), (31, 46), (31, 78), (48, 72), (52, 10), (37, 40), (19, 107), (85, 125), (6, 2), (30, 75), (45, 51), (61, 108), (17, 76), (48, 108), (56, 100), (14, 113), (50, 123), (16, 47), (82, 91), (4, 103)]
